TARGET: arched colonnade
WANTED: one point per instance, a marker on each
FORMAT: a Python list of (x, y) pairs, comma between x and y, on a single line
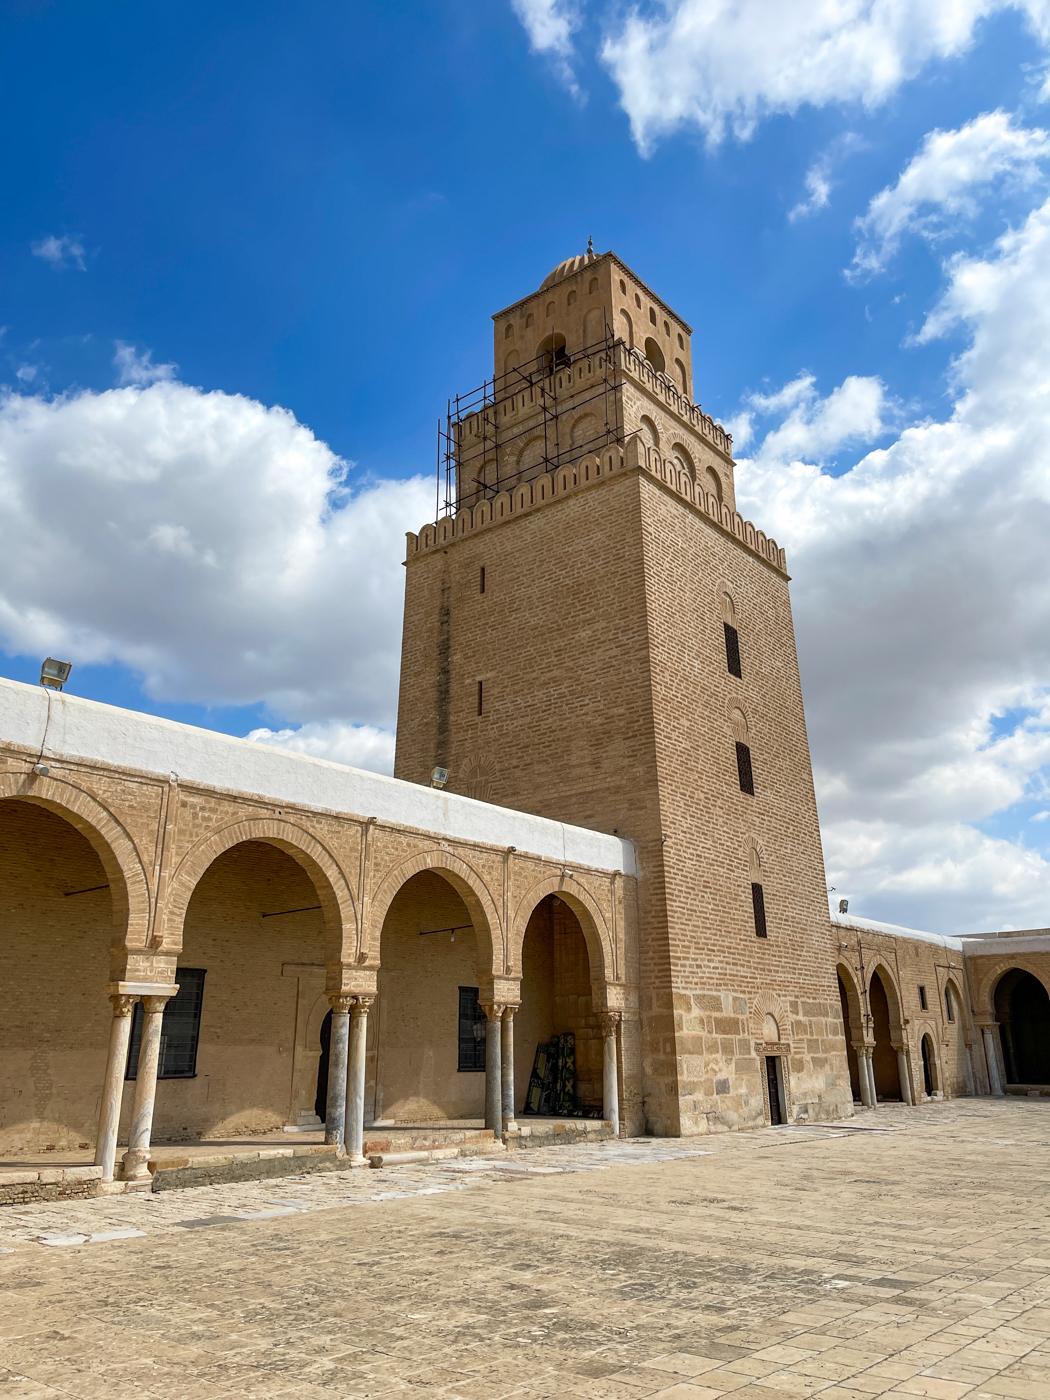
[(173, 872), (894, 1057)]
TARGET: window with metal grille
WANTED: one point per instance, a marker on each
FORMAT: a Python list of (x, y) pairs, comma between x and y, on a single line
[(180, 1029), (744, 769), (922, 999), (472, 1027), (732, 649), (758, 903)]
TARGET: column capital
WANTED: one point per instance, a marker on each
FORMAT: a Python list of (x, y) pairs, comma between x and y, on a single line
[(359, 1004), (123, 1005), (608, 1021), (508, 1011), (153, 1005), (866, 1050), (341, 1002), (494, 1009)]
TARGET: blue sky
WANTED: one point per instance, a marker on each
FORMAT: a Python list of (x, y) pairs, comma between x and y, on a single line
[(318, 207)]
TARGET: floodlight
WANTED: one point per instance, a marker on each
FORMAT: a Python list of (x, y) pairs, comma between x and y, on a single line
[(439, 777), (843, 906), (54, 674)]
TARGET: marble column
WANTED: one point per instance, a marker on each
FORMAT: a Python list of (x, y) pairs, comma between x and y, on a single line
[(355, 1081), (970, 1089), (335, 1104), (507, 1067), (494, 1067), (995, 1084), (867, 1082), (610, 1023), (904, 1074), (113, 1089), (136, 1159)]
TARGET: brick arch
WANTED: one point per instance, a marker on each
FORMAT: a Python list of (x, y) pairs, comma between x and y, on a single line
[(333, 891), (600, 947), (467, 883), (773, 1004), (107, 836), (856, 1009), (893, 998), (989, 979)]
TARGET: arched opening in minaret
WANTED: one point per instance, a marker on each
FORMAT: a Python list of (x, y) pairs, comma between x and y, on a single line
[(558, 1042), (553, 353), (654, 354)]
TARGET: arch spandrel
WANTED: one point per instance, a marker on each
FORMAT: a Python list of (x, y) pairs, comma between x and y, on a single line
[(467, 883), (338, 907), (129, 885), (601, 948)]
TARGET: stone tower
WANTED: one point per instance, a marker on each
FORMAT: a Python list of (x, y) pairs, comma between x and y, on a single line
[(593, 634)]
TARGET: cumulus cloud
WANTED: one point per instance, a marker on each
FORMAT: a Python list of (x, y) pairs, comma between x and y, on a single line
[(213, 545), (922, 603), (550, 25), (941, 179), (359, 745), (60, 252), (723, 65), (133, 368), (812, 428)]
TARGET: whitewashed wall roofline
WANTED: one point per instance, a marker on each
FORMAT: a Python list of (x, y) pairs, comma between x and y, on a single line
[(87, 730)]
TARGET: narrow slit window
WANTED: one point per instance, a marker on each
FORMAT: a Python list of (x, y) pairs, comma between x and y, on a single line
[(472, 1027), (180, 1029), (481, 697), (732, 649), (481, 589), (948, 1003), (758, 903), (922, 999), (744, 769)]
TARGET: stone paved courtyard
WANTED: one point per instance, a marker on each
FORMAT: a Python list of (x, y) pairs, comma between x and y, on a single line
[(910, 1256)]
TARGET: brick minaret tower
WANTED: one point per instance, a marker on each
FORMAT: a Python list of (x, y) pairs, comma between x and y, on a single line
[(592, 633)]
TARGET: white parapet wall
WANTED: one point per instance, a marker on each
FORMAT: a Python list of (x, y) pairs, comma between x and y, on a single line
[(86, 730)]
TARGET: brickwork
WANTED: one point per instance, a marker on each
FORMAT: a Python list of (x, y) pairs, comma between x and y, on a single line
[(598, 644)]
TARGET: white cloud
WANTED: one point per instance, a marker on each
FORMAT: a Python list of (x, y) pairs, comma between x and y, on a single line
[(813, 429), (60, 252), (818, 181), (922, 603), (723, 65), (941, 179), (208, 542), (359, 745), (550, 25), (139, 369)]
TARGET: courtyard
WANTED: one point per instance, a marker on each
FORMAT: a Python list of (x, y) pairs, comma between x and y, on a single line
[(908, 1255)]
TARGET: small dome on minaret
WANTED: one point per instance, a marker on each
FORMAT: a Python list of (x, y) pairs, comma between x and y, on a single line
[(569, 266)]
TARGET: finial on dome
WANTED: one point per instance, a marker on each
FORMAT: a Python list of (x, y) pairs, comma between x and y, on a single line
[(590, 245)]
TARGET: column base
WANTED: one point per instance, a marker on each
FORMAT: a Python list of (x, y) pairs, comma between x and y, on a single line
[(356, 1163), (136, 1165)]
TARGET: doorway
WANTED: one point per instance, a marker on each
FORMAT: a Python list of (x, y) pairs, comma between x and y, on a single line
[(927, 1066), (775, 1089)]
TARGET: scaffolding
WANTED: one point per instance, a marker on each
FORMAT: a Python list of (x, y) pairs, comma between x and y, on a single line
[(512, 427)]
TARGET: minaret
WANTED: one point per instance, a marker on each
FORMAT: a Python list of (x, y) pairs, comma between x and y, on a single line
[(593, 633)]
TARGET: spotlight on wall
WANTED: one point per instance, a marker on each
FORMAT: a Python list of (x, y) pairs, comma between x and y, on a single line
[(439, 777), (54, 674), (843, 906)]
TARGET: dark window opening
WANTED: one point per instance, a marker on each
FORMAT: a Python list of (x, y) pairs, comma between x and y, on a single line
[(744, 769), (481, 698), (180, 1029), (948, 1003), (732, 650), (472, 1029), (922, 999), (758, 903), (482, 588)]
